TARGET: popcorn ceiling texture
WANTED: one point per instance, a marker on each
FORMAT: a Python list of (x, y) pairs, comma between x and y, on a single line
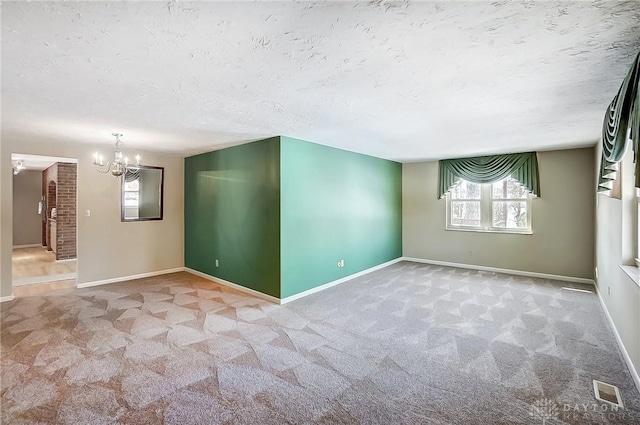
[(403, 81)]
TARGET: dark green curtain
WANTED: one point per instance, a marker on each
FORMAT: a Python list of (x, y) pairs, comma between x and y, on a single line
[(489, 169), (623, 113)]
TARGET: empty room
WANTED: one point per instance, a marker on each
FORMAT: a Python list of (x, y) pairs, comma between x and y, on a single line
[(320, 212)]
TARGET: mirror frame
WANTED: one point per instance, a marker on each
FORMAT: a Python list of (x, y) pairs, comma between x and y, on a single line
[(130, 220)]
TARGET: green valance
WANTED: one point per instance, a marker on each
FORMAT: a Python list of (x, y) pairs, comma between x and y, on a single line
[(489, 169), (131, 175), (623, 114)]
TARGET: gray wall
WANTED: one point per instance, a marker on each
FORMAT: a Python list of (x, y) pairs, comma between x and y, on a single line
[(615, 233), (107, 247), (27, 223), (562, 221)]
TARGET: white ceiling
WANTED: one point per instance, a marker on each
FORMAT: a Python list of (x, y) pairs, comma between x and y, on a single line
[(404, 81), (38, 162)]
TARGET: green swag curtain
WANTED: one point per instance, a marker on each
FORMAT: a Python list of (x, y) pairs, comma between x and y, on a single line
[(622, 114), (131, 175), (488, 169)]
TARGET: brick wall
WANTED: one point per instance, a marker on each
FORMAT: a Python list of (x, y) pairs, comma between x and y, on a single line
[(64, 176)]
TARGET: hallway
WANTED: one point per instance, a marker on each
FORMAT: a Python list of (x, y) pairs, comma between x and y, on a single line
[(37, 265)]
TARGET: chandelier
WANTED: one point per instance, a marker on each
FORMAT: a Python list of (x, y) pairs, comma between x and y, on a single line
[(119, 164), (18, 167)]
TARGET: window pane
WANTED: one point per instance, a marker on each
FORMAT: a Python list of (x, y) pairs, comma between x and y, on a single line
[(466, 190), (132, 185), (510, 214), (465, 213), (508, 189), (131, 199)]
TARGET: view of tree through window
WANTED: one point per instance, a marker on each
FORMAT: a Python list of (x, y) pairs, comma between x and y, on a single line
[(499, 206), (465, 204), (507, 211)]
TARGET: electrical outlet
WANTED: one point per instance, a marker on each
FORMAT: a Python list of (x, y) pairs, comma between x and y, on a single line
[(340, 263), (217, 263), (596, 272)]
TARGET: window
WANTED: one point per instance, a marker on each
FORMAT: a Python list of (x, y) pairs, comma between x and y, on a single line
[(503, 206), (131, 198)]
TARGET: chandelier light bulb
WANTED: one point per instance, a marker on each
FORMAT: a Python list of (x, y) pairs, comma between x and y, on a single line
[(120, 163)]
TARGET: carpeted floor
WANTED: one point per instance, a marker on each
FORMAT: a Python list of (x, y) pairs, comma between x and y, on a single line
[(408, 344)]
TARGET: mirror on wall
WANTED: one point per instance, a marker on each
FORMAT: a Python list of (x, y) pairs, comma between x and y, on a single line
[(142, 193)]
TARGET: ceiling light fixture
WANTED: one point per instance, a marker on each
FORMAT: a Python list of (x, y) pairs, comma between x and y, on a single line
[(18, 167), (119, 164)]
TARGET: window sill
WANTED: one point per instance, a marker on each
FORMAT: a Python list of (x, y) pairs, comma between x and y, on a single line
[(510, 232), (633, 272)]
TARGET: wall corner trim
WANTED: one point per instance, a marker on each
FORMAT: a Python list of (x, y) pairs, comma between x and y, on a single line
[(131, 277), (505, 271), (234, 286), (623, 349), (7, 298), (338, 281)]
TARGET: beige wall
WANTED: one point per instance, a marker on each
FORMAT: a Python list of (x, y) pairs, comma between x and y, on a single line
[(27, 223), (107, 248), (615, 230), (562, 221)]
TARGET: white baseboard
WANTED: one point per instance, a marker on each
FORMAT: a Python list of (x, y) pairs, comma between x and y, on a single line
[(33, 245), (234, 286), (131, 277), (42, 279), (623, 349), (7, 298), (505, 271), (337, 282), (295, 296)]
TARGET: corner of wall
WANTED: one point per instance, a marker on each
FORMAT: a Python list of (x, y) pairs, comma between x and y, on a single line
[(6, 220), (232, 214)]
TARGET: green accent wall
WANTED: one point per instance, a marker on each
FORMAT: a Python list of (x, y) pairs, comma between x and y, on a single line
[(335, 205), (279, 214), (232, 213)]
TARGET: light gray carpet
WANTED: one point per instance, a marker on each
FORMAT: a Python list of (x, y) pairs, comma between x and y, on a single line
[(408, 344)]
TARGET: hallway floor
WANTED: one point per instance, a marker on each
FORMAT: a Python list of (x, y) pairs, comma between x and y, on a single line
[(37, 265)]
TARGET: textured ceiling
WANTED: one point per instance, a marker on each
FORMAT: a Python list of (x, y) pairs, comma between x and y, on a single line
[(404, 81)]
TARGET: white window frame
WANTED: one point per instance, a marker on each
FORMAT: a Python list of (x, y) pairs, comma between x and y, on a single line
[(486, 212)]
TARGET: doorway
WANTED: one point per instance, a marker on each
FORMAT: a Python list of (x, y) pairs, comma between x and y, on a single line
[(44, 256)]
